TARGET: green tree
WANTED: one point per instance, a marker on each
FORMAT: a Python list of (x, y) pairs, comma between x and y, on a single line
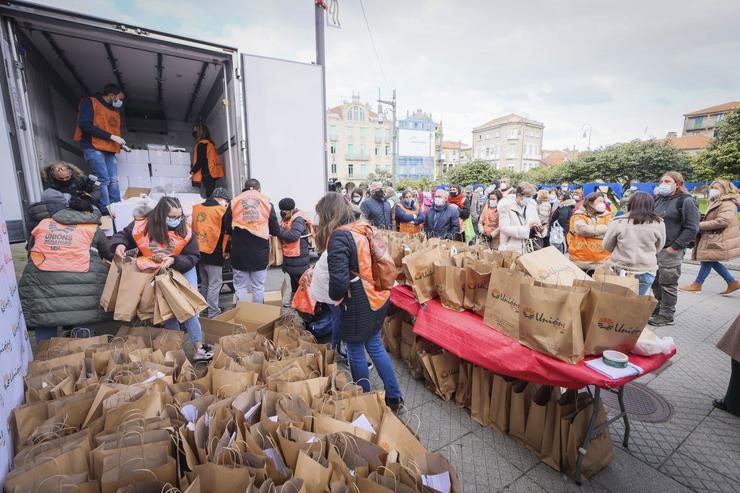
[(381, 175), (420, 184), (478, 172), (722, 159)]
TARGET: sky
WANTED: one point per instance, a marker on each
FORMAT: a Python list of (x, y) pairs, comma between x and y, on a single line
[(626, 70)]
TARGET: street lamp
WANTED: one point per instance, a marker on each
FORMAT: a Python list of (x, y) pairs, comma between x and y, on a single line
[(392, 104), (587, 128)]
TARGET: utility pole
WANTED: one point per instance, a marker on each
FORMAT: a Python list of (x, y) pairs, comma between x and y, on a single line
[(319, 14), (392, 104)]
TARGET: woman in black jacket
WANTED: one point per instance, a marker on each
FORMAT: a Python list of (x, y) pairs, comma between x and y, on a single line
[(294, 237), (164, 239), (350, 280)]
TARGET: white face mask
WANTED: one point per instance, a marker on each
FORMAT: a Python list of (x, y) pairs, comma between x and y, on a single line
[(439, 201), (117, 103), (492, 203), (504, 186), (600, 207), (714, 193)]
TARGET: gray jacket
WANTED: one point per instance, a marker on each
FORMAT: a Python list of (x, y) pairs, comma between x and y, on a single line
[(377, 212), (681, 217)]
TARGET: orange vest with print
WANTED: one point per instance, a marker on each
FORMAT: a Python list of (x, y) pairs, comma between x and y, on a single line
[(490, 222), (302, 300), (215, 168), (207, 221), (409, 227), (251, 211), (105, 119), (377, 298), (148, 248), (62, 247), (586, 248), (293, 249)]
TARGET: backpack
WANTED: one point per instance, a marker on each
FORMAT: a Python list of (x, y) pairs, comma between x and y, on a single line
[(557, 235), (383, 266)]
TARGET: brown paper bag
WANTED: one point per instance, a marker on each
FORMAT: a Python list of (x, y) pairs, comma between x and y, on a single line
[(464, 384), (550, 321), (130, 289), (600, 451), (314, 475), (503, 299), (395, 436), (408, 345), (480, 395), (605, 274), (543, 404), (392, 333), (275, 258), (190, 293), (521, 396), (500, 403), (613, 317), (110, 290), (449, 283), (180, 305), (446, 367), (477, 279), (419, 271), (145, 309), (566, 407)]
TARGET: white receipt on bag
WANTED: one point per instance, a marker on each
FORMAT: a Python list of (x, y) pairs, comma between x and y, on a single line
[(189, 412), (274, 419), (252, 410), (439, 482), (313, 440), (277, 459), (362, 423)]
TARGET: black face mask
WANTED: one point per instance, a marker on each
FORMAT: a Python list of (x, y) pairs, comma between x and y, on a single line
[(454, 194), (195, 134), (380, 194)]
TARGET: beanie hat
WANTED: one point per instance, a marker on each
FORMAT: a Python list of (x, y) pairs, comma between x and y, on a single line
[(376, 185), (51, 195), (220, 193), (286, 204), (80, 204)]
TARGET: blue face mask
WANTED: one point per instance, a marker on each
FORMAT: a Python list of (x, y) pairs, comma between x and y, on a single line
[(664, 190), (117, 103), (173, 223)]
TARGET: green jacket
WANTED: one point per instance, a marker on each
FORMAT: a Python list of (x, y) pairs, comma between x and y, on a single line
[(51, 299)]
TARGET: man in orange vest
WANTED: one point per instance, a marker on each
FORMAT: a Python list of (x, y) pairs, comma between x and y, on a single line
[(208, 228), (250, 221), (296, 229), (99, 134)]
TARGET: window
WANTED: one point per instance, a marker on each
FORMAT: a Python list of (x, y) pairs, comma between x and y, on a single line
[(362, 149), (512, 151), (387, 135), (480, 137), (363, 171), (495, 151), (377, 150), (356, 114), (350, 169), (377, 135), (698, 122), (350, 132), (387, 150), (719, 118), (488, 151), (333, 168), (497, 135), (514, 133), (488, 136), (333, 149), (333, 132), (362, 132), (350, 149)]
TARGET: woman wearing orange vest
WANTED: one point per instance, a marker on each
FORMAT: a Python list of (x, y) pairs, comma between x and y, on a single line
[(408, 214), (164, 239), (99, 134), (206, 168), (588, 225), (363, 308), (208, 229), (488, 222), (296, 229), (250, 220), (64, 278)]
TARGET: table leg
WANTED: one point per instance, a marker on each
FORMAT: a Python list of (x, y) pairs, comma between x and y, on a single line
[(623, 411), (589, 434)]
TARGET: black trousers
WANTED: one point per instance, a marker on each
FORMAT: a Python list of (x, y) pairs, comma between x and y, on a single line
[(294, 278), (732, 397), (209, 185)]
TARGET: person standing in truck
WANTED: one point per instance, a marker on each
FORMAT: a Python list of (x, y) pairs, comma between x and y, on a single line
[(207, 168), (99, 134)]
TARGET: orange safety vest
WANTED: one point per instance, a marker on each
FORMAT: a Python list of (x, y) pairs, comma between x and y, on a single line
[(302, 300), (585, 248), (207, 226), (408, 227), (105, 119), (377, 298), (148, 248), (293, 249), (215, 168), (61, 247), (489, 215), (251, 211)]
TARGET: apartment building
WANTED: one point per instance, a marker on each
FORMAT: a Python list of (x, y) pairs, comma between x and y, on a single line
[(510, 142)]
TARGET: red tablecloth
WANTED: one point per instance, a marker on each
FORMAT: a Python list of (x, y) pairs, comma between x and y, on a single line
[(466, 335)]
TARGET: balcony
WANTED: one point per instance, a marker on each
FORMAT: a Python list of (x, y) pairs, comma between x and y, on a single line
[(333, 137), (353, 156)]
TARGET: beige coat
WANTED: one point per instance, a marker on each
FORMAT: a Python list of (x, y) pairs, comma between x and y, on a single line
[(719, 236), (730, 342)]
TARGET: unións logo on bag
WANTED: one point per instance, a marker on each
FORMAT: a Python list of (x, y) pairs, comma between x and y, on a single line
[(9, 378), (540, 317), (606, 323), (424, 274), (498, 295)]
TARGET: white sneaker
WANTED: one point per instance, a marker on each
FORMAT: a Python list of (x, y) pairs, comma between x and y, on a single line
[(202, 354)]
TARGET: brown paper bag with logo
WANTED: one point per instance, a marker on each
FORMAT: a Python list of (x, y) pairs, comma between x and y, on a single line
[(521, 398), (449, 283), (550, 321), (446, 367), (464, 384), (477, 280), (550, 266), (502, 301), (392, 332), (551, 449), (543, 404), (613, 317), (110, 290), (480, 395), (419, 271), (500, 403), (408, 345), (600, 451), (130, 289)]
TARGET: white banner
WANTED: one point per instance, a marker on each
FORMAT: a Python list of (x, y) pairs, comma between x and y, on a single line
[(415, 143)]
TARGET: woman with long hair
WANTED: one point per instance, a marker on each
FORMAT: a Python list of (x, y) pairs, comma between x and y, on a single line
[(588, 224), (164, 240), (634, 239), (206, 168), (488, 224), (681, 217), (719, 237), (350, 280)]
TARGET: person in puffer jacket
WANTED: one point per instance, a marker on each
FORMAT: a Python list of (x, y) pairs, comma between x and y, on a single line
[(295, 233), (64, 278), (443, 219), (376, 209)]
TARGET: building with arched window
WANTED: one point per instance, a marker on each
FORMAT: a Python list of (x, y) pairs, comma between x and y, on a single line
[(359, 141)]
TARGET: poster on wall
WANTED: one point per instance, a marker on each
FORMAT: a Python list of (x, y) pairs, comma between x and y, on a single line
[(415, 143), (15, 348)]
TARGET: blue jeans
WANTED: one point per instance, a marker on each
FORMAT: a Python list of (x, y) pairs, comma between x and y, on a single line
[(646, 281), (45, 333), (706, 268), (376, 350), (192, 325), (336, 314), (105, 167)]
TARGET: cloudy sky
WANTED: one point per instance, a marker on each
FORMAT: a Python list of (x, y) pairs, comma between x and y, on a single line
[(629, 69)]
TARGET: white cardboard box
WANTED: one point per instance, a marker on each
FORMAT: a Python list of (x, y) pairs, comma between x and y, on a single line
[(159, 157), (180, 158)]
